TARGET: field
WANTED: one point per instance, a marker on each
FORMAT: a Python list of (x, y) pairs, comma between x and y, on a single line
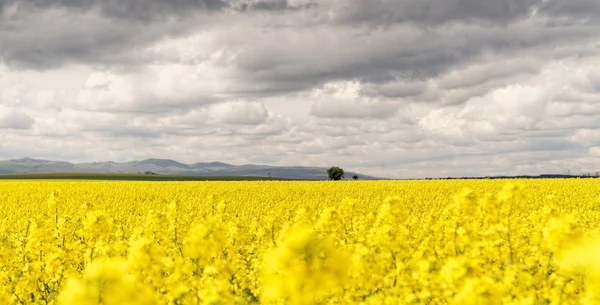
[(301, 242)]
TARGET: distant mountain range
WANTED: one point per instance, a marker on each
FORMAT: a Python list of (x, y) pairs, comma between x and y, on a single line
[(166, 166)]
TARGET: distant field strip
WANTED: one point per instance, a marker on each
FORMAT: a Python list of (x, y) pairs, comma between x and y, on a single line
[(300, 242)]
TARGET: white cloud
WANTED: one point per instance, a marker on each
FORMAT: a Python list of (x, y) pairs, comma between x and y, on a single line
[(169, 88), (345, 100), (444, 122), (594, 151), (244, 113), (586, 136), (273, 125)]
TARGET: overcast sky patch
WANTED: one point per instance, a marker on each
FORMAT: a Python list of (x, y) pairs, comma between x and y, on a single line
[(395, 88)]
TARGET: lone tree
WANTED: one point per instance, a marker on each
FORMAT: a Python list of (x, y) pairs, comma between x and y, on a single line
[(335, 173), (355, 177)]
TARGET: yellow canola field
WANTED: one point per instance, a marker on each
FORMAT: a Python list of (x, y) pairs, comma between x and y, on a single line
[(344, 242)]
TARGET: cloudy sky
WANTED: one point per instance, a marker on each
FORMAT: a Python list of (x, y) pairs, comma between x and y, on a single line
[(395, 88)]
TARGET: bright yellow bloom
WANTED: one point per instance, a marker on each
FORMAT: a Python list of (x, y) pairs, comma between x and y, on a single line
[(369, 242)]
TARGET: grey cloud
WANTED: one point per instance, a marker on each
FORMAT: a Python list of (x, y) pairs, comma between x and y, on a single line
[(432, 11), (571, 8), (461, 95), (373, 129), (147, 10), (513, 151), (218, 120), (222, 119), (142, 9), (458, 85), (553, 144), (332, 128), (292, 57), (243, 113), (16, 120), (123, 131), (47, 39), (475, 75), (245, 5), (271, 126), (416, 55), (111, 125), (405, 136), (438, 12), (353, 110), (398, 88)]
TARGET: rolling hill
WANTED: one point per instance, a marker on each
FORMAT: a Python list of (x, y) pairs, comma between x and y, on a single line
[(171, 167)]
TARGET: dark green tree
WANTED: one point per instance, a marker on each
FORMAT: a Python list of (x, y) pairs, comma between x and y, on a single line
[(355, 177), (335, 173)]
